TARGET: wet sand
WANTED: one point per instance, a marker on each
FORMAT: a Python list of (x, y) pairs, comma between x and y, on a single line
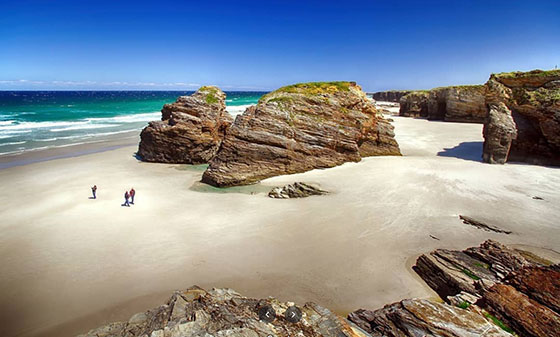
[(70, 263)]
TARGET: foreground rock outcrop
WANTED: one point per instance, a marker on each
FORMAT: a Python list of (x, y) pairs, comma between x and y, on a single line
[(223, 312), (295, 190), (523, 118), (299, 128), (452, 104), (490, 290), (191, 129), (418, 317), (389, 96)]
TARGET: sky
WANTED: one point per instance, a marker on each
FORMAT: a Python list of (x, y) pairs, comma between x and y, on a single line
[(262, 45)]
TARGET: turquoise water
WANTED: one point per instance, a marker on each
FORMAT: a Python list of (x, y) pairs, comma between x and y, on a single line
[(35, 120)]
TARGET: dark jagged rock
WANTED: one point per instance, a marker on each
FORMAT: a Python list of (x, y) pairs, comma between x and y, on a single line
[(523, 122), (451, 104), (470, 221), (295, 190), (519, 312), (224, 312), (191, 129), (299, 128), (389, 96), (418, 317)]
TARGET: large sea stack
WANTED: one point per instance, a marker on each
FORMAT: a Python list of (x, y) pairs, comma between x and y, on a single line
[(299, 128), (523, 118), (464, 103), (190, 131)]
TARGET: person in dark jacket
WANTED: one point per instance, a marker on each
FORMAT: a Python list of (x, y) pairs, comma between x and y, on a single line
[(93, 191), (126, 196)]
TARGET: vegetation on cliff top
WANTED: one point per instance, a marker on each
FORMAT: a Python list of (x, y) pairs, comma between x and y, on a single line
[(532, 73), (211, 94), (309, 89)]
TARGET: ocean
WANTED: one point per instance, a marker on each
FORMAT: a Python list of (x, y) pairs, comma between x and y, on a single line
[(36, 120)]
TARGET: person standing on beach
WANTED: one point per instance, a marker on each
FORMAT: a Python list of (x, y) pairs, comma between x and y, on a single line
[(93, 191), (126, 196), (132, 193)]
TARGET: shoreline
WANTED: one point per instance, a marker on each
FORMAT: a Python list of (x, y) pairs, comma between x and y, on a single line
[(107, 143), (73, 264)]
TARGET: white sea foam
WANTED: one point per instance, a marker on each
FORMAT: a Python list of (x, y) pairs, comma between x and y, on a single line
[(36, 125), (143, 117), (85, 127), (13, 143), (235, 110)]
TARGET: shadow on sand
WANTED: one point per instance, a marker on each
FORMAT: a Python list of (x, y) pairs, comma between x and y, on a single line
[(465, 150)]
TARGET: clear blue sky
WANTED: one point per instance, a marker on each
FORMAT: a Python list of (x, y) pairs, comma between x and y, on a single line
[(267, 44)]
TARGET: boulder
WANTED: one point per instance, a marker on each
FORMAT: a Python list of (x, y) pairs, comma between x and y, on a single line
[(524, 118), (418, 317), (191, 129), (299, 128), (464, 103), (295, 190), (223, 312)]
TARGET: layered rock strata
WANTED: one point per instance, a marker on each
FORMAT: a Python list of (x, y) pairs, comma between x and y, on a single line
[(223, 312), (299, 128), (190, 131), (490, 290), (389, 96), (523, 121), (452, 104), (417, 317)]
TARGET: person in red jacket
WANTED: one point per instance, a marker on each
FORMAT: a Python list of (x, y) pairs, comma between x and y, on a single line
[(94, 191), (132, 193)]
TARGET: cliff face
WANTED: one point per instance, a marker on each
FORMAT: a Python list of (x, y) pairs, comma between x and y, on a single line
[(451, 104), (389, 96), (524, 118), (191, 129), (299, 128)]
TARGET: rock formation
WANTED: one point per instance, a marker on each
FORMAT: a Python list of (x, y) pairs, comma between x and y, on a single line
[(295, 190), (490, 290), (416, 317), (222, 313), (389, 96), (299, 128), (524, 118), (191, 129), (452, 104)]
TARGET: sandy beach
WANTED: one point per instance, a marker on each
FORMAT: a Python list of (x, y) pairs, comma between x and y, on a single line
[(71, 263)]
